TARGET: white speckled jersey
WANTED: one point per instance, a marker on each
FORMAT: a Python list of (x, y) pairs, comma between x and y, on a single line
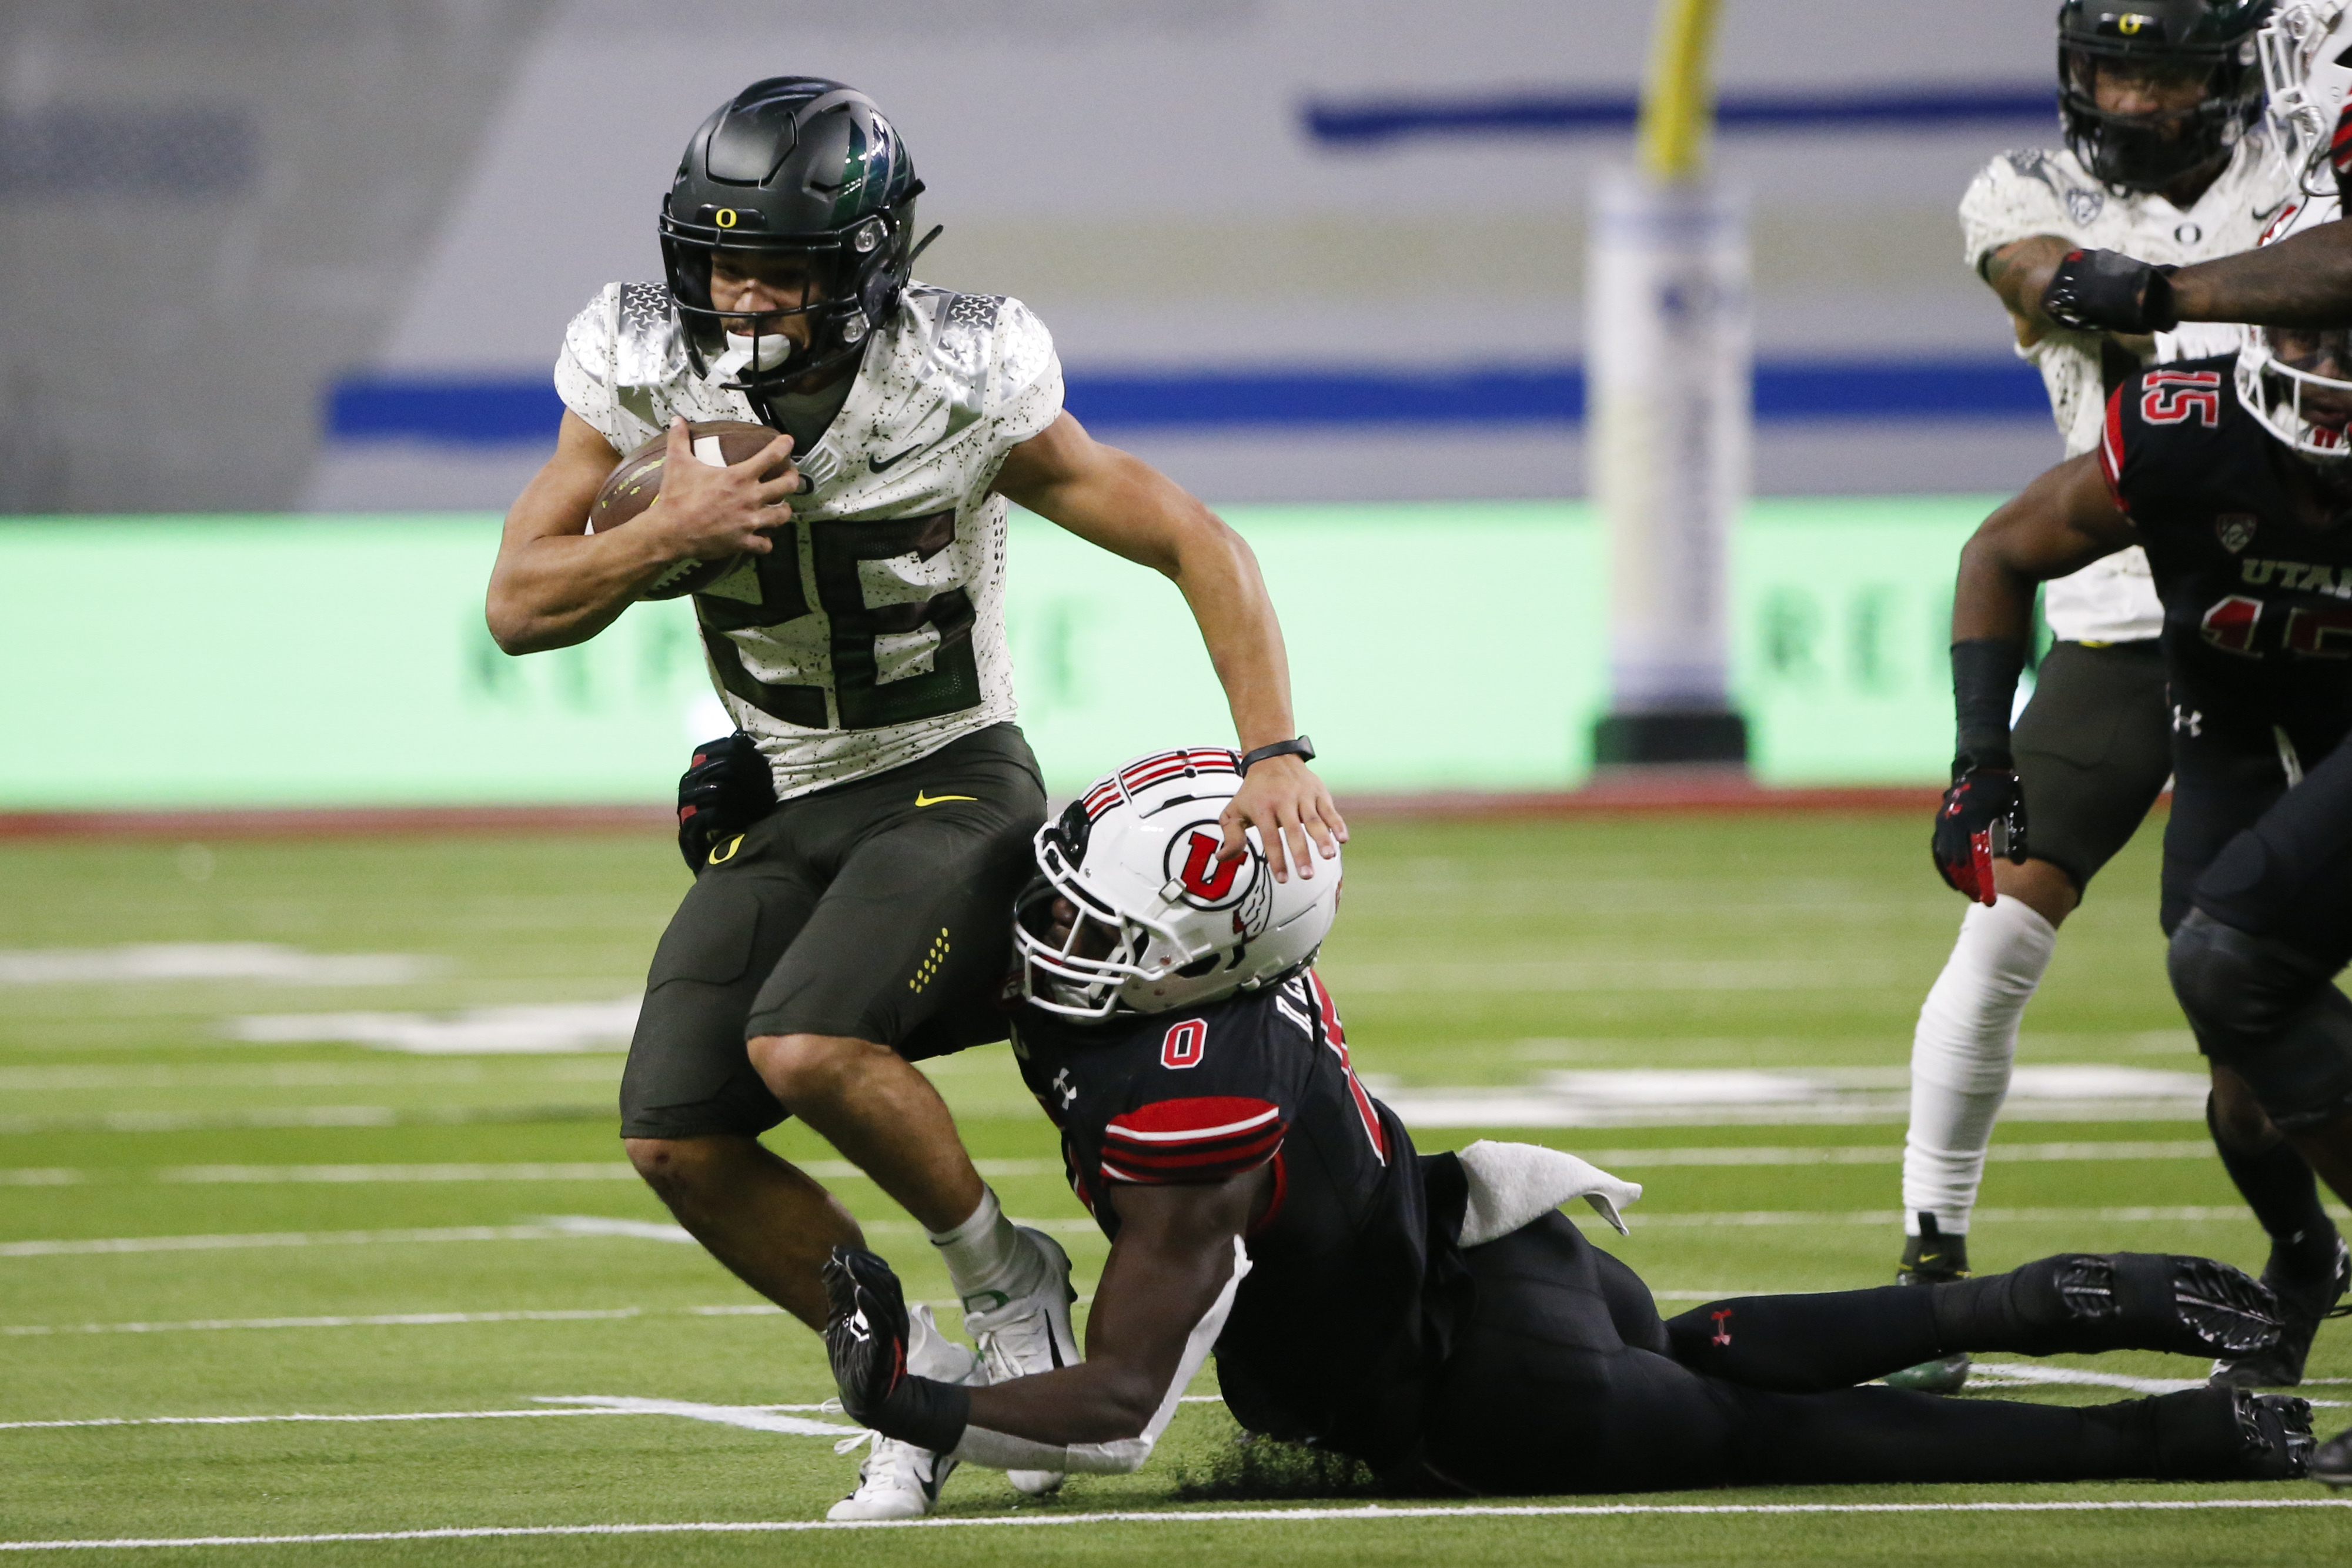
[(2048, 192), (874, 634)]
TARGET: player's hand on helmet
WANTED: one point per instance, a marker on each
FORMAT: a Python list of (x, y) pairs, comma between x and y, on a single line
[(709, 512), (1983, 818), (866, 1335), (2107, 291), (725, 790), (1293, 813)]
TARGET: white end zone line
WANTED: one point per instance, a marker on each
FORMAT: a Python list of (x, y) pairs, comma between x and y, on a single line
[(1373, 1513)]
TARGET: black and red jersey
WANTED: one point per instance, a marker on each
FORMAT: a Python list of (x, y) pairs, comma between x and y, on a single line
[(1351, 1287), (2257, 603)]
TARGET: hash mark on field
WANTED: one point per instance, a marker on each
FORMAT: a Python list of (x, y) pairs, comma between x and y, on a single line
[(561, 1405), (2030, 1372), (270, 962), (1374, 1513)]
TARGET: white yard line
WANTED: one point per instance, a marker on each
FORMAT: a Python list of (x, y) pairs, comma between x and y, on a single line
[(552, 1227), (1743, 1218), (1374, 1513), (1891, 1154), (761, 1418), (369, 1320), (522, 1170), (2032, 1373)]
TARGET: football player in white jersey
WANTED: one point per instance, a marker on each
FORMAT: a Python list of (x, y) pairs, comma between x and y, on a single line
[(2166, 153), (858, 841)]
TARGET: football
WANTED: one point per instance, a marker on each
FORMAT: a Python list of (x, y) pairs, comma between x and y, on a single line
[(630, 488)]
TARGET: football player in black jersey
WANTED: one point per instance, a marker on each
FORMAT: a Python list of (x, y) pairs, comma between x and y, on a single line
[(1436, 1316), (2233, 473)]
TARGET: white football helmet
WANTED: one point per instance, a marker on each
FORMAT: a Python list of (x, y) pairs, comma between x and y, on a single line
[(1159, 923), (2281, 385), (2306, 49)]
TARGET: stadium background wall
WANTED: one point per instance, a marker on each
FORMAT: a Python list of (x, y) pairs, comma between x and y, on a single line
[(261, 661)]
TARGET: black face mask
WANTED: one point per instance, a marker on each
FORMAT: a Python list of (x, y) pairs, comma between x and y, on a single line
[(2145, 151)]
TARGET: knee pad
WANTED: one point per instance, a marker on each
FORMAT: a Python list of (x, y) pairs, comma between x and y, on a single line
[(2267, 1012)]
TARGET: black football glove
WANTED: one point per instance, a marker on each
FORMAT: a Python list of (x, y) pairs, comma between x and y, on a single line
[(1982, 816), (2107, 291), (725, 790), (866, 1333)]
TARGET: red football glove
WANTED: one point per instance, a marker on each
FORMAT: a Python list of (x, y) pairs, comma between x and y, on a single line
[(1982, 816)]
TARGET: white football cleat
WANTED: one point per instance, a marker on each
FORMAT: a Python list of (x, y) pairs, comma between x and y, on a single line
[(1029, 1334), (896, 1480)]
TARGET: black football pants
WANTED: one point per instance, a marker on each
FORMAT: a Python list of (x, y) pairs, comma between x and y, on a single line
[(1564, 1380)]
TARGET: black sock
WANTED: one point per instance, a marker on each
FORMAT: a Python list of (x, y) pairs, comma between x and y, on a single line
[(1806, 1344), (2284, 1195)]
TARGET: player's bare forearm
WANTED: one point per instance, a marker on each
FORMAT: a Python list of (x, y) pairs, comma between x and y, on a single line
[(1172, 1258), (555, 584), (2305, 280), (2018, 273), (1118, 501), (2061, 523)]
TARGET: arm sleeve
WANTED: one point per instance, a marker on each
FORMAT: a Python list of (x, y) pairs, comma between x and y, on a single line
[(1002, 1451), (2114, 457)]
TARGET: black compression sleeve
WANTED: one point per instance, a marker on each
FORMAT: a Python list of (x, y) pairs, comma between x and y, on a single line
[(927, 1413), (1984, 688)]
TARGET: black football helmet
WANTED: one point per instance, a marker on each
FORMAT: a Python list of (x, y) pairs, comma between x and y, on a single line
[(798, 167), (2210, 40)]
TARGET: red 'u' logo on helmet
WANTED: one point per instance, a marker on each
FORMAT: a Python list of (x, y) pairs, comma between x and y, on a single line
[(1203, 877)]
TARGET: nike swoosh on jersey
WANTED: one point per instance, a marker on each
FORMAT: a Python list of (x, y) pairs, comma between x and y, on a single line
[(876, 465), (923, 800)]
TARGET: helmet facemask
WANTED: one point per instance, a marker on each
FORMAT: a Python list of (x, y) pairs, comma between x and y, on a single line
[(848, 281), (1075, 954), (2297, 382), (2211, 94)]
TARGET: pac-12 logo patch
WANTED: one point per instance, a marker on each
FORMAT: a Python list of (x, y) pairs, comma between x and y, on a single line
[(2235, 530)]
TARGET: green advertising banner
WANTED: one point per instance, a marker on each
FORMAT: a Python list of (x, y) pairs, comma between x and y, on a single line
[(189, 662)]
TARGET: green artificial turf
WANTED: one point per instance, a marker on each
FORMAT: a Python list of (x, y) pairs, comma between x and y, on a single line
[(1466, 955)]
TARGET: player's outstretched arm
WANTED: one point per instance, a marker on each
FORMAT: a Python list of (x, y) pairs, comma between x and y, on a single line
[(2061, 522), (2304, 280), (1161, 1304), (2019, 273), (555, 584), (1118, 501)]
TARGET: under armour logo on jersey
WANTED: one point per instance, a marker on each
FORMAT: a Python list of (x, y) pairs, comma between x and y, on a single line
[(1065, 1088), (1722, 1326), (2188, 721)]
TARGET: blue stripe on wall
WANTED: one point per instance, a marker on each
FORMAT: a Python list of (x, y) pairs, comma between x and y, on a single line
[(502, 412), (1373, 121)]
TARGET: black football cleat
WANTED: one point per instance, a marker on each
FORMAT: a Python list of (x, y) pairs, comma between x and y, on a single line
[(2213, 1433), (1932, 1258), (2303, 1304), (2086, 1302), (2332, 1461)]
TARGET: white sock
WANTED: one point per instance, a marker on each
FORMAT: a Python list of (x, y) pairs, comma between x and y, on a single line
[(987, 1261), (1961, 1058)]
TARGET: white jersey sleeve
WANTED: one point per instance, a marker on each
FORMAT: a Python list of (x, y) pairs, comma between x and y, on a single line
[(622, 368)]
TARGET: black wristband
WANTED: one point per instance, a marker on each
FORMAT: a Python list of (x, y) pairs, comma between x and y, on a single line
[(1302, 749), (1984, 688), (2157, 310), (927, 1413)]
